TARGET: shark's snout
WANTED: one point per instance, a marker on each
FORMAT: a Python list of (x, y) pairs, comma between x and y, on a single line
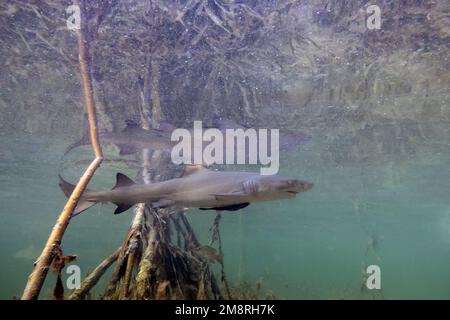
[(289, 186), (296, 186), (306, 186)]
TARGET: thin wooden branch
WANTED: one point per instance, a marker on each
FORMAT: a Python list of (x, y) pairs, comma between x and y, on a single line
[(88, 92), (39, 273), (91, 280)]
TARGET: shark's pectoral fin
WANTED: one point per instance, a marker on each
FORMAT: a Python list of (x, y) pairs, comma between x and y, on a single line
[(121, 207), (162, 203), (81, 206), (233, 207)]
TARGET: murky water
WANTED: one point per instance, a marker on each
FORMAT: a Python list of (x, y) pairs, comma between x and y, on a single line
[(395, 215)]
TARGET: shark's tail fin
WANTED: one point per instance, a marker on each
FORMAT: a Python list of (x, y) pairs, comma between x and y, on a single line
[(85, 138), (82, 205)]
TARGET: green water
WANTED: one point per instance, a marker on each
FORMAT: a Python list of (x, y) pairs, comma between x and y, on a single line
[(313, 246)]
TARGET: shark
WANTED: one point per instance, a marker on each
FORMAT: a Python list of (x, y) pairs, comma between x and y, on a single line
[(133, 138), (288, 140), (198, 187)]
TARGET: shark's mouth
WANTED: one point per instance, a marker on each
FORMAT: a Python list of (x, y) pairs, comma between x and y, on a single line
[(292, 192)]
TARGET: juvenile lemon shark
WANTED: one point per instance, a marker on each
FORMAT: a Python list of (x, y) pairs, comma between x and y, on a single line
[(199, 187), (133, 138)]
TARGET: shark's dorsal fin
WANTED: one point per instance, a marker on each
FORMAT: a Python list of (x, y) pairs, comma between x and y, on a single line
[(134, 127), (193, 168), (131, 125), (122, 181)]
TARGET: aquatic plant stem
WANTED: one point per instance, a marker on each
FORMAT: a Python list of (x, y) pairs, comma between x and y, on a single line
[(39, 273)]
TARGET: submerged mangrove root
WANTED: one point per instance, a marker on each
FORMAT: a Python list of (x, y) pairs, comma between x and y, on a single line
[(143, 276), (39, 273), (152, 266), (119, 284), (161, 257), (216, 237)]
